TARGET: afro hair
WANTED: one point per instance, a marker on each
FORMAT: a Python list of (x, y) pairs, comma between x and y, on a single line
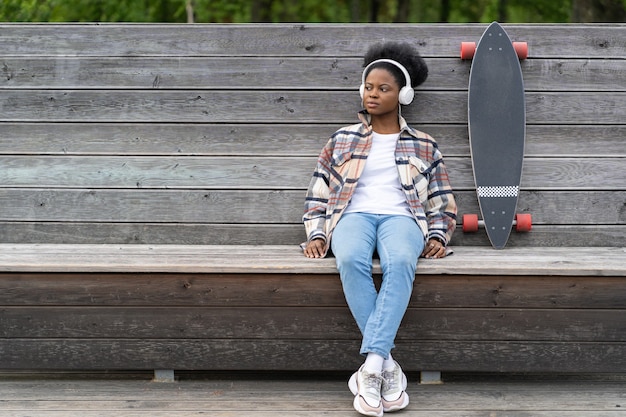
[(403, 53)]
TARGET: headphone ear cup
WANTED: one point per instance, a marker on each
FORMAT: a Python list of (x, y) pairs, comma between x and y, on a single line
[(362, 90), (406, 95)]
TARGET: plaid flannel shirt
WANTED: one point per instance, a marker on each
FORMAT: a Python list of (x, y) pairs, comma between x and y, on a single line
[(421, 169)]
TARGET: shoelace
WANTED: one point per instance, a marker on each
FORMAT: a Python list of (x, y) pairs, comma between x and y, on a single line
[(390, 383), (372, 385)]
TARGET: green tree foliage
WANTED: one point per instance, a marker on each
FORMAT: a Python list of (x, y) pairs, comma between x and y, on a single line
[(599, 11), (25, 10), (311, 11)]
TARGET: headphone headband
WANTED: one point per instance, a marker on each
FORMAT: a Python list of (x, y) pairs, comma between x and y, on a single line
[(406, 92)]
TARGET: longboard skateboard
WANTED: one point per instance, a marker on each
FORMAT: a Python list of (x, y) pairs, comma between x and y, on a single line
[(497, 131)]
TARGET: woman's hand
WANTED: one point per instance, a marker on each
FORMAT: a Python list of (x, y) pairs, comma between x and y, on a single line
[(315, 248), (434, 249)]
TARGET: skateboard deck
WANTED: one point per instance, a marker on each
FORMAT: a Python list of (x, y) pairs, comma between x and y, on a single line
[(497, 130)]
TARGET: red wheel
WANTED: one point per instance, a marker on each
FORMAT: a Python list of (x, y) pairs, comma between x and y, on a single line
[(468, 49), (521, 49), (470, 223), (524, 222)]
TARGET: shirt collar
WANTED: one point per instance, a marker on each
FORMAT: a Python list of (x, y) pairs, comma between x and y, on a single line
[(366, 119)]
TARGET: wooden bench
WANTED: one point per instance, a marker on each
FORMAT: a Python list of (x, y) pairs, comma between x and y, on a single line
[(152, 188)]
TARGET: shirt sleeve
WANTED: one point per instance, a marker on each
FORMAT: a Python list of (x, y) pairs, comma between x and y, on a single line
[(316, 199), (441, 209)]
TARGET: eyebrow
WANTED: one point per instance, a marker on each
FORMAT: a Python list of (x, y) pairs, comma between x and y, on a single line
[(383, 84)]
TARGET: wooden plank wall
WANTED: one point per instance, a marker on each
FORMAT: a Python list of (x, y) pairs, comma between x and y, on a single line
[(105, 321), (208, 134)]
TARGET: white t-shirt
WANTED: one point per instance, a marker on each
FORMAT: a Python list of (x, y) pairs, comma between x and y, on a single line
[(378, 190)]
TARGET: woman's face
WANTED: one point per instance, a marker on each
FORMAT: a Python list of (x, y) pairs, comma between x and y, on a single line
[(380, 96)]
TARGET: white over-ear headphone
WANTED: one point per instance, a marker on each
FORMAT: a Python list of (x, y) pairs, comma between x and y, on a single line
[(406, 93)]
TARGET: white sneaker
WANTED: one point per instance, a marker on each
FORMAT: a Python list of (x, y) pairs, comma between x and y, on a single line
[(393, 391), (366, 389)]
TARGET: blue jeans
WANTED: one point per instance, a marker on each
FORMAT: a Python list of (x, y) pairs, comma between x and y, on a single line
[(399, 243)]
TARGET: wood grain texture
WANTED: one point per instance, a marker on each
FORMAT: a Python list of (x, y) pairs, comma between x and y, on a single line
[(297, 39), (109, 138), (259, 140), (184, 206), (260, 73), (235, 173), (153, 179), (303, 290), (309, 323), (289, 259), (318, 355), (302, 395), (290, 106), (275, 234)]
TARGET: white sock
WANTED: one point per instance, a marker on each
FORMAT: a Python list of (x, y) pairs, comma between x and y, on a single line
[(389, 364), (373, 363)]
